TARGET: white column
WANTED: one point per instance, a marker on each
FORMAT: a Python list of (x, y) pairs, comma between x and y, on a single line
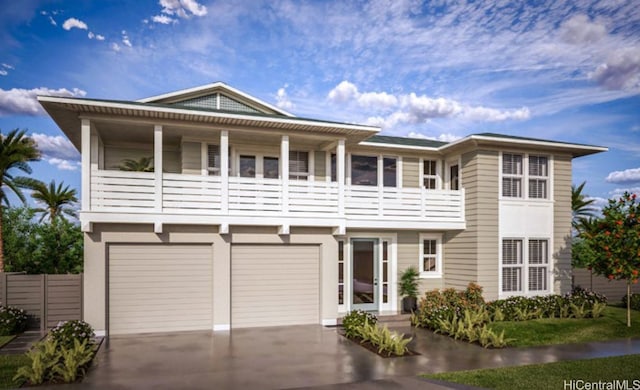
[(284, 161), (224, 172), (157, 170), (340, 157), (380, 183), (86, 164)]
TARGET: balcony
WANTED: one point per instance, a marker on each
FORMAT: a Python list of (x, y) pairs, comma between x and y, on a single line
[(118, 196)]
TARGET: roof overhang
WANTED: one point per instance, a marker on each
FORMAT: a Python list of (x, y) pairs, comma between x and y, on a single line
[(67, 113)]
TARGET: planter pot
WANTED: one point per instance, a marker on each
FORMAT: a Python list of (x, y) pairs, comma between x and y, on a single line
[(409, 304)]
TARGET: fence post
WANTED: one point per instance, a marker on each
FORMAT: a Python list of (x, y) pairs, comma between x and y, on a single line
[(43, 317), (3, 288)]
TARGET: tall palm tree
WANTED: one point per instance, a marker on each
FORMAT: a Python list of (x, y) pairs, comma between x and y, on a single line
[(581, 207), (56, 200), (143, 164), (16, 151)]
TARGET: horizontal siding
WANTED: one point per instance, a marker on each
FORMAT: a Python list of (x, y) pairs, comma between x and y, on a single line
[(562, 223), (191, 162), (410, 172), (409, 255), (486, 198), (155, 288), (274, 285), (320, 166)]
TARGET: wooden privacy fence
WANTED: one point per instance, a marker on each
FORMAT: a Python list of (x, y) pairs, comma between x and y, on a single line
[(614, 290), (47, 299)]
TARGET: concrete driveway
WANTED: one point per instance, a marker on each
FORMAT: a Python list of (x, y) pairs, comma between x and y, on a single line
[(300, 356)]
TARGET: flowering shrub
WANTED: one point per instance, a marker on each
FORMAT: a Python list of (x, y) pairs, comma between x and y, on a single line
[(66, 332), (355, 320), (12, 320), (443, 305)]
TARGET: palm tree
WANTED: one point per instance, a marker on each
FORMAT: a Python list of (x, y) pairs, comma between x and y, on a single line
[(581, 207), (55, 199), (16, 151), (143, 164)]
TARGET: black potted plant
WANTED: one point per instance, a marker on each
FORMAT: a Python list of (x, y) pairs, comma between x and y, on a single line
[(409, 289)]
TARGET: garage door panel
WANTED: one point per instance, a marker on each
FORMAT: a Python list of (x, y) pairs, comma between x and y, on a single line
[(160, 288), (275, 285)]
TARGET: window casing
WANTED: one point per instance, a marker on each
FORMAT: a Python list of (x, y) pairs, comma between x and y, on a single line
[(430, 256), (429, 174), (512, 175), (525, 273), (538, 177)]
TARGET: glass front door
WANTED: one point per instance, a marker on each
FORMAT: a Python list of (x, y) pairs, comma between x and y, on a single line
[(364, 271)]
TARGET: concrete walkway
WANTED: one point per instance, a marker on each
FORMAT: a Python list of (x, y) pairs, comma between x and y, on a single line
[(22, 342), (302, 357)]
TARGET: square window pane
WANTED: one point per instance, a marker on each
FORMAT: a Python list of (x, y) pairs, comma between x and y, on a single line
[(511, 187), (512, 164), (512, 252), (364, 170), (537, 188), (538, 252), (454, 177), (271, 167), (511, 279), (247, 166), (429, 264), (429, 167), (389, 172), (429, 247), (538, 165), (538, 279), (429, 183)]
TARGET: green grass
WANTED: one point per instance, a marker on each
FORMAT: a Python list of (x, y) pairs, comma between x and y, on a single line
[(551, 375), (8, 366), (612, 325), (6, 339)]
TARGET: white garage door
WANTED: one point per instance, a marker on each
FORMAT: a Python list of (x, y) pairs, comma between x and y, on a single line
[(160, 288), (275, 285)]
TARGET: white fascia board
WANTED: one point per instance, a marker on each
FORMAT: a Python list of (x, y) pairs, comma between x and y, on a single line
[(218, 84), (125, 106), (547, 144), (396, 146)]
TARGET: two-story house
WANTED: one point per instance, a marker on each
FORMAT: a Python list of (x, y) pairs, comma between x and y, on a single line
[(254, 217)]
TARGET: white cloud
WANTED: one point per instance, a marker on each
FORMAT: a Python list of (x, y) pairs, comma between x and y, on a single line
[(620, 71), (7, 66), (493, 115), (282, 99), (343, 92), (3, 72), (100, 37), (377, 100), (618, 192), (55, 147), (163, 19), (64, 165), (115, 47), (579, 29), (125, 39), (444, 137), (74, 23), (182, 8), (52, 21), (627, 176), (91, 35), (17, 101)]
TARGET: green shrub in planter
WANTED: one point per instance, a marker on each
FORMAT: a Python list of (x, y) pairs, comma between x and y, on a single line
[(355, 320), (12, 320), (66, 332), (408, 287)]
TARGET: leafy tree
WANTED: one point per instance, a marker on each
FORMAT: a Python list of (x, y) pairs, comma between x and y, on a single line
[(36, 248), (16, 151), (581, 208), (55, 199), (143, 164), (615, 242)]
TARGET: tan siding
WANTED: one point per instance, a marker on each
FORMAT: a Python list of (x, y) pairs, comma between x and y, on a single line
[(191, 162), (614, 290), (160, 288), (409, 255), (171, 161), (320, 167), (562, 223), (113, 155), (274, 285), (410, 171)]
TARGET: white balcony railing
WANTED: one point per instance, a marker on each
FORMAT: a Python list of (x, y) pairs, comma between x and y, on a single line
[(134, 192)]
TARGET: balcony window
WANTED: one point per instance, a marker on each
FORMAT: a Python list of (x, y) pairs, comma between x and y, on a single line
[(298, 165), (271, 167), (429, 174), (247, 166), (364, 170), (334, 167), (213, 159), (454, 177), (390, 172)]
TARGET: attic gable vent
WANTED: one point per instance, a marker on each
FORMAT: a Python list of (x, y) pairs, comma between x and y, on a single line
[(216, 101)]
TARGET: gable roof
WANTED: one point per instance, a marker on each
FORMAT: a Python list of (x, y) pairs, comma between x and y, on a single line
[(211, 96)]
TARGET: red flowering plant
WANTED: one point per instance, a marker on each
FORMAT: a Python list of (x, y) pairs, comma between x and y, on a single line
[(615, 242)]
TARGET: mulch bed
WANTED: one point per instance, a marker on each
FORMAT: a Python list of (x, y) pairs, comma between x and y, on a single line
[(374, 349)]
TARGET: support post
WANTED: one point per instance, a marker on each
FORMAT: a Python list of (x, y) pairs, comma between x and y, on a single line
[(85, 150), (340, 159), (224, 173), (157, 168), (284, 161)]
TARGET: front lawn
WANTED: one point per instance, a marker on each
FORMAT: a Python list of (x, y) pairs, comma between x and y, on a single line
[(612, 325), (8, 366), (5, 339), (551, 375)]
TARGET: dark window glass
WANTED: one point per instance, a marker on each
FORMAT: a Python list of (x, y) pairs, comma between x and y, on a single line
[(271, 167), (390, 169), (364, 170), (454, 177), (247, 166), (298, 165)]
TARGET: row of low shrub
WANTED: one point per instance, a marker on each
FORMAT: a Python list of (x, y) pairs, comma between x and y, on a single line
[(63, 356), (448, 311), (12, 320), (362, 326), (635, 301)]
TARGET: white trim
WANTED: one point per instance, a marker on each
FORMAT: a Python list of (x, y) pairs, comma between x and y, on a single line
[(525, 267), (311, 168), (221, 327), (525, 177), (85, 129), (395, 146), (100, 333), (224, 174), (157, 167), (329, 321), (340, 173), (438, 272), (204, 158), (399, 171), (284, 164)]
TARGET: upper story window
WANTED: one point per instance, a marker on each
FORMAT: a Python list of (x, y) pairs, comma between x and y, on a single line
[(213, 159), (390, 175), (364, 170), (271, 167), (247, 166), (430, 256), (538, 176), (334, 167), (298, 165), (429, 174), (512, 175), (454, 177)]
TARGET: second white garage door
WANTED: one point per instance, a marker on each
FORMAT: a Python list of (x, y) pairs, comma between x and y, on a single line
[(275, 285), (160, 288)]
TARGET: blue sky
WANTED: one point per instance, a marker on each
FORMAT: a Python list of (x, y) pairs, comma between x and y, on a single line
[(562, 70)]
